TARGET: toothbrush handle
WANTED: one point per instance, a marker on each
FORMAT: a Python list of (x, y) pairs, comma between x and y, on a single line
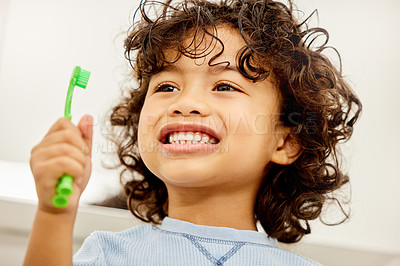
[(64, 186), (64, 189)]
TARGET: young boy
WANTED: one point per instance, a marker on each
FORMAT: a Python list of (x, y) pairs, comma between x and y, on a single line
[(235, 121)]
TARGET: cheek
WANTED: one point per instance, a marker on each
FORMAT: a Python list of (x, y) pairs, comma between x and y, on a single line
[(246, 123), (147, 145), (146, 124), (146, 136), (148, 113), (265, 124), (252, 133)]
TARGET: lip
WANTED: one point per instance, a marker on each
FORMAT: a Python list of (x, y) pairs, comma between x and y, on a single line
[(175, 149), (186, 127)]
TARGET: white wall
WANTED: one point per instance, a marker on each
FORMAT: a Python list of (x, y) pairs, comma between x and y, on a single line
[(42, 42), (3, 20), (365, 33), (44, 39)]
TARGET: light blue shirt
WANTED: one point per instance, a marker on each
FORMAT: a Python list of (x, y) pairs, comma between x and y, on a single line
[(179, 243)]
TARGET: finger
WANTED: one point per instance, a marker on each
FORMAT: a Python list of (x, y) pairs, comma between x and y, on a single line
[(60, 124), (60, 149), (85, 126), (82, 182), (65, 136), (56, 167)]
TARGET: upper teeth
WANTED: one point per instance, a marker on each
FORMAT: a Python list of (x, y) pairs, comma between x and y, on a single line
[(190, 137)]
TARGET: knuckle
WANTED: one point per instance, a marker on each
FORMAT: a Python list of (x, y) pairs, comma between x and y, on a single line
[(82, 158), (78, 170), (71, 166), (37, 148), (64, 162), (37, 169), (68, 135), (64, 148), (63, 121), (32, 163), (33, 150), (85, 150)]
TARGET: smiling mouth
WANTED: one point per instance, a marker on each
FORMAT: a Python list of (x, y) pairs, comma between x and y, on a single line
[(189, 138)]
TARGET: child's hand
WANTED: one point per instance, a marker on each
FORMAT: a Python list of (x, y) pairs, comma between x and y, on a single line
[(66, 149)]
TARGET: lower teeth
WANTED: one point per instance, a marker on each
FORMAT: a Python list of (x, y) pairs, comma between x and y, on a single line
[(178, 142)]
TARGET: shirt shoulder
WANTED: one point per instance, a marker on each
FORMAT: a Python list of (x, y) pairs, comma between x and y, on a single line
[(289, 258), (101, 247)]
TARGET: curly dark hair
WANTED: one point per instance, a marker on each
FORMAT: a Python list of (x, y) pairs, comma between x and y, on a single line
[(317, 104)]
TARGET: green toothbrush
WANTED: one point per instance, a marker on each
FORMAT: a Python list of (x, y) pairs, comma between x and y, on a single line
[(80, 77)]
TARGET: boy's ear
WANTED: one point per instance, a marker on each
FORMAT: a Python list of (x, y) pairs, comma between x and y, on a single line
[(287, 150)]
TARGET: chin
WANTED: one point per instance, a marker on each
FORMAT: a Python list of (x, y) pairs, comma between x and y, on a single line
[(190, 176)]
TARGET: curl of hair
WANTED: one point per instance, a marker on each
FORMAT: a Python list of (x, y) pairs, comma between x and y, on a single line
[(317, 103)]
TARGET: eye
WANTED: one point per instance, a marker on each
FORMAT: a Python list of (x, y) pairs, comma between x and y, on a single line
[(225, 87), (165, 88)]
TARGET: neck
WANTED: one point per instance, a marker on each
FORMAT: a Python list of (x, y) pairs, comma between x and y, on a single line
[(204, 207)]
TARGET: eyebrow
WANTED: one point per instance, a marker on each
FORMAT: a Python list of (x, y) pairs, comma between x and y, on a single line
[(213, 69)]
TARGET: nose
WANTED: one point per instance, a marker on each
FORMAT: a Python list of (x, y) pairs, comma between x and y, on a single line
[(190, 103)]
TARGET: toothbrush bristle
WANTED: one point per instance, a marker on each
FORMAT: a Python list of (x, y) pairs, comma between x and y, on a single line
[(83, 78)]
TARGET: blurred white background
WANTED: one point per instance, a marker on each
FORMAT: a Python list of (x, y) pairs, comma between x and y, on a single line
[(41, 41)]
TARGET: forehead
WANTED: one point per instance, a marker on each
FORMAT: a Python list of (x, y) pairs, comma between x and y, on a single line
[(217, 45)]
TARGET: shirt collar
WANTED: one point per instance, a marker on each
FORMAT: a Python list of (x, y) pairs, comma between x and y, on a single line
[(221, 233)]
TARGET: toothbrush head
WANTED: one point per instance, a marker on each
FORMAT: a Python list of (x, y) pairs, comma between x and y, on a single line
[(80, 77)]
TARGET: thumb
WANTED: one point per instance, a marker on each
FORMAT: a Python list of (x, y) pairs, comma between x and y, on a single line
[(85, 125)]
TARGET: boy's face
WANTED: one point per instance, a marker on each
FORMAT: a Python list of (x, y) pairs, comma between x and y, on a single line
[(243, 115)]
